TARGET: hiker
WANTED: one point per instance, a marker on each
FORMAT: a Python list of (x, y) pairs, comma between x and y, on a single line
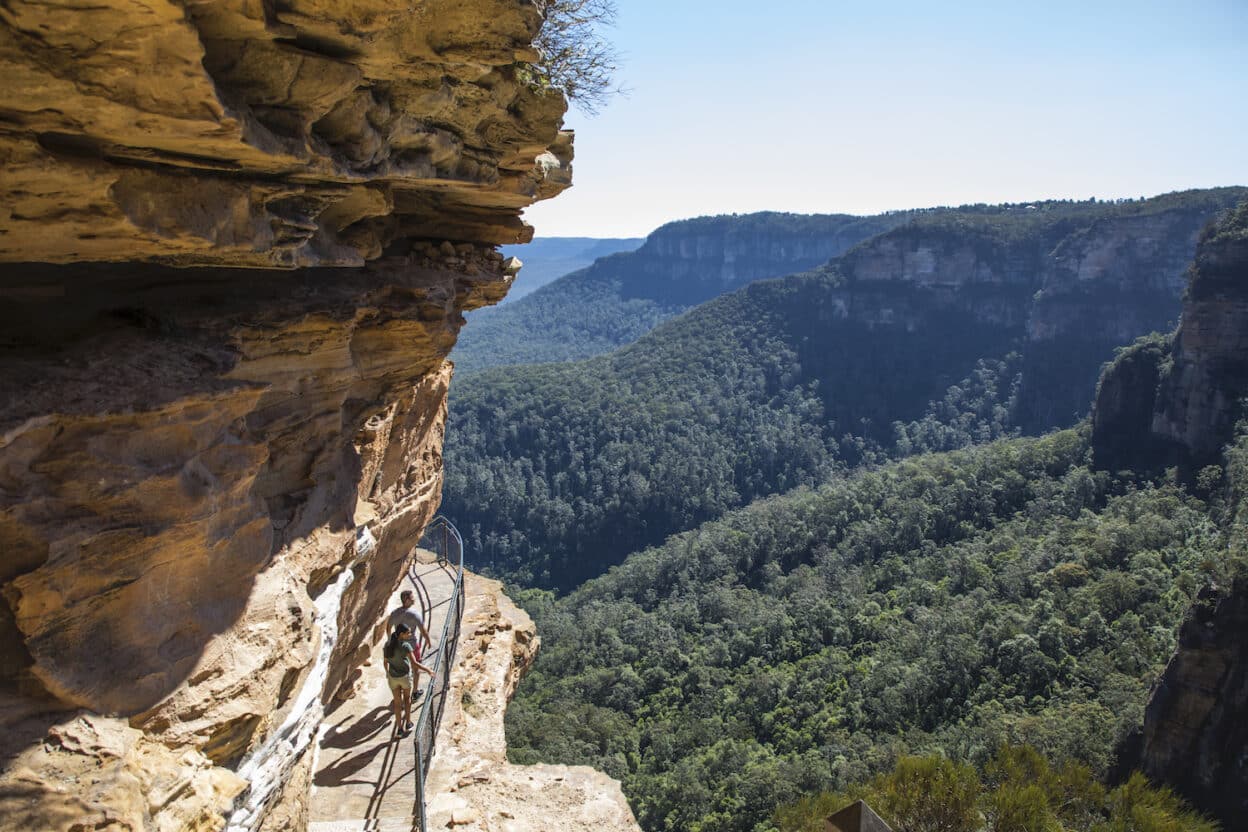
[(409, 615), (401, 660)]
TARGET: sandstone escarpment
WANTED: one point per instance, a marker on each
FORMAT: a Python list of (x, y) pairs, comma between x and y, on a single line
[(1202, 397), (298, 134), (691, 261), (1068, 289), (211, 476), (1194, 733), (1176, 402), (1186, 396), (476, 788)]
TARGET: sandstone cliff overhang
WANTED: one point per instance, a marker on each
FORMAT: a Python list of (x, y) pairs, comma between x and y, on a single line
[(274, 134), (236, 242)]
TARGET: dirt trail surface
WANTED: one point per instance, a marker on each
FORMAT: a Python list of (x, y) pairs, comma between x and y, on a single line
[(471, 785)]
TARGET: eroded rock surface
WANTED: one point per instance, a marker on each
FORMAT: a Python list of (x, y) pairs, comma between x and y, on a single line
[(1194, 736), (182, 484), (292, 134), (1179, 401), (239, 239), (93, 772), (1200, 400), (475, 787)]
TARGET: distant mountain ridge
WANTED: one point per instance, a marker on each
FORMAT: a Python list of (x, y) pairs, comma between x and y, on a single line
[(621, 297), (550, 258)]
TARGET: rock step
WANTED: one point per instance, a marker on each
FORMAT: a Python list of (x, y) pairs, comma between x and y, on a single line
[(363, 825)]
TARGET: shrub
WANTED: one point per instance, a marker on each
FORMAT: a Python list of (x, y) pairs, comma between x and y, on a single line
[(576, 58)]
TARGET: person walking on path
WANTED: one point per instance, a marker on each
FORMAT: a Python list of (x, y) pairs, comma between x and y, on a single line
[(409, 615), (401, 662)]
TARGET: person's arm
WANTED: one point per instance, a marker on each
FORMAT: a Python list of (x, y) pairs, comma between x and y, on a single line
[(424, 632), (424, 667)]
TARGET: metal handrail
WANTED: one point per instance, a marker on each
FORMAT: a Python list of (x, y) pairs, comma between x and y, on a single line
[(444, 541)]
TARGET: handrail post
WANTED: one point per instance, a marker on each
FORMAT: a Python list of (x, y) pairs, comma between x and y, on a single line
[(420, 787)]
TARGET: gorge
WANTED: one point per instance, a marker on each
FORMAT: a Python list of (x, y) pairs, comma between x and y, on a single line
[(791, 499)]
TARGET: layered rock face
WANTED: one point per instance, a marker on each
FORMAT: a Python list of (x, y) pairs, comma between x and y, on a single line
[(1071, 289), (302, 133), (1194, 735), (1200, 400), (691, 261), (211, 475), (1176, 402)]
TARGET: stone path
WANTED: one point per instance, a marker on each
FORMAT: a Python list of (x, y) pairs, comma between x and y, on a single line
[(365, 773)]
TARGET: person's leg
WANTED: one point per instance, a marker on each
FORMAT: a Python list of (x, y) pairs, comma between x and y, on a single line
[(396, 705), (407, 708)]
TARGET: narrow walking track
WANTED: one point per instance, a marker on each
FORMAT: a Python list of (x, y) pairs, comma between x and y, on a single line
[(365, 772)]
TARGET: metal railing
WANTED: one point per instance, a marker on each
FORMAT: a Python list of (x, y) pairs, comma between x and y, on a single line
[(443, 539)]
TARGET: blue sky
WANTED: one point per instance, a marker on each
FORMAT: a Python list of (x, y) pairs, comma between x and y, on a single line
[(860, 107)]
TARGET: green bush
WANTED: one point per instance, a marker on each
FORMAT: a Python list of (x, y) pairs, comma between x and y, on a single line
[(1018, 791)]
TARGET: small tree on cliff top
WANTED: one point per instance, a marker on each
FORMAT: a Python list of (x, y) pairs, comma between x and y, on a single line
[(576, 58)]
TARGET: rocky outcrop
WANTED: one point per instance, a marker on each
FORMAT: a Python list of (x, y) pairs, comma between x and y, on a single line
[(211, 475), (93, 772), (1194, 735), (475, 787), (300, 134), (1178, 403), (1072, 281), (1202, 397), (1122, 415)]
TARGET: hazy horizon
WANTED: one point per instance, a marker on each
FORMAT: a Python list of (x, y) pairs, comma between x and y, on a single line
[(829, 108), (643, 235)]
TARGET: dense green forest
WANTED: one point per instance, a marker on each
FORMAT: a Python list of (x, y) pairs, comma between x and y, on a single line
[(946, 603), (557, 471), (620, 298)]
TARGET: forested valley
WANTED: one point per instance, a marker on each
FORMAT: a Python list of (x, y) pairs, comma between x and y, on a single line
[(797, 547), (948, 603), (556, 471)]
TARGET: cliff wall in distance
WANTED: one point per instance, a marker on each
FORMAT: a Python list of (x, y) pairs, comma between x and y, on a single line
[(622, 297), (1177, 401), (561, 470)]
